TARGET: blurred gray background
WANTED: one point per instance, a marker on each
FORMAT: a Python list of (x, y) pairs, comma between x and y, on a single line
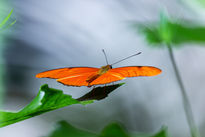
[(53, 34)]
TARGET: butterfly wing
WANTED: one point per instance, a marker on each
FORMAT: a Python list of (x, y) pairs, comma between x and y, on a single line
[(75, 76), (65, 72), (106, 78), (120, 73), (77, 80), (136, 71), (78, 76)]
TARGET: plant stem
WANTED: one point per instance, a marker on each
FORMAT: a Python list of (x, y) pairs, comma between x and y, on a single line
[(2, 70), (187, 107)]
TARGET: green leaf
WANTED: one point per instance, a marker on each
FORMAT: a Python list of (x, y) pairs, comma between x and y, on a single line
[(172, 31), (99, 93), (3, 23), (64, 129), (47, 99)]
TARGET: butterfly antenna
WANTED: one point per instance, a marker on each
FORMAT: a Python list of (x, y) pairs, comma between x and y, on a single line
[(105, 55), (127, 58)]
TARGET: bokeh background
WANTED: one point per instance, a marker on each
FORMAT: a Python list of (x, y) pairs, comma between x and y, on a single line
[(53, 34)]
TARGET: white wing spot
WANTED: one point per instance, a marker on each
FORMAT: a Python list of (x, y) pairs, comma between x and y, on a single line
[(117, 76), (69, 77)]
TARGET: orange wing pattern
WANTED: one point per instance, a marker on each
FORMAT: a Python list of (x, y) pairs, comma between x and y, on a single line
[(65, 72), (76, 80), (106, 78), (117, 74), (136, 71), (87, 76)]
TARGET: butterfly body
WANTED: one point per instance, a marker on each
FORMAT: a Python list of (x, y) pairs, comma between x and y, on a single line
[(100, 72), (89, 76)]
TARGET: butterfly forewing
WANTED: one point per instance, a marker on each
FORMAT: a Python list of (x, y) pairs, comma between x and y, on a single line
[(65, 72), (136, 71), (76, 80), (117, 74)]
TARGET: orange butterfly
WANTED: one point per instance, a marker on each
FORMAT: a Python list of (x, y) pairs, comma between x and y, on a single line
[(89, 76)]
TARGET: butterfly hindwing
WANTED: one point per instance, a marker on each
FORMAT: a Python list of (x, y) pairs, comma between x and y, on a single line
[(106, 78)]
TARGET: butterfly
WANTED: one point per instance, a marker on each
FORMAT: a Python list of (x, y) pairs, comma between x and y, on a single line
[(90, 76)]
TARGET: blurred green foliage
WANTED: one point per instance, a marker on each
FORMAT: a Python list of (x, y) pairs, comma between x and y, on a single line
[(64, 129), (171, 32), (4, 24), (49, 99), (202, 2), (114, 130)]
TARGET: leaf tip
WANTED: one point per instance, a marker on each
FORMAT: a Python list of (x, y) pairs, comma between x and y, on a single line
[(44, 86)]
